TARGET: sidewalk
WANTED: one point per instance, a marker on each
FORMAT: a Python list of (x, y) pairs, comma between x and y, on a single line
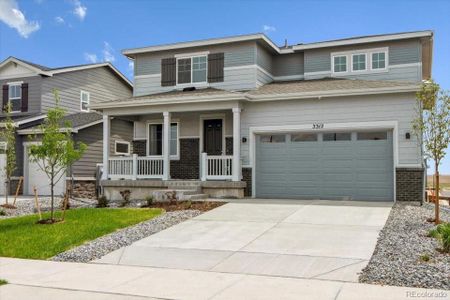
[(34, 279)]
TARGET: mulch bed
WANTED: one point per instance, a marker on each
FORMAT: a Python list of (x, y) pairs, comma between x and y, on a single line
[(185, 205)]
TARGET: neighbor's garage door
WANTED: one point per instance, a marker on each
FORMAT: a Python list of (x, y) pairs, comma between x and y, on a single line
[(35, 177), (329, 165)]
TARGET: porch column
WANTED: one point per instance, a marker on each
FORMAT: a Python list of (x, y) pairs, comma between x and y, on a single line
[(166, 145), (106, 134), (236, 144)]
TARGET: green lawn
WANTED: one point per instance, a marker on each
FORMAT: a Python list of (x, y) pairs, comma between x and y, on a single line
[(21, 237)]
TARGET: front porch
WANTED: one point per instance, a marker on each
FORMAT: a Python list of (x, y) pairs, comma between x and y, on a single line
[(176, 150)]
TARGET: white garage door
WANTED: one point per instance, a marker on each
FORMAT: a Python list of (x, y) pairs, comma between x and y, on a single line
[(35, 177), (330, 165)]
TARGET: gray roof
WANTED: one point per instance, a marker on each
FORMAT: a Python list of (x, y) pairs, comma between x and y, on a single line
[(82, 118), (21, 117), (327, 84)]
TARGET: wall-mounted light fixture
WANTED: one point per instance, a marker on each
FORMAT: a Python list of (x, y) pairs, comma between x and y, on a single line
[(407, 136), (244, 140)]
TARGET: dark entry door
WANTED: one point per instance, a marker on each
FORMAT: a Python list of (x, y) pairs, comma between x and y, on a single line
[(212, 137)]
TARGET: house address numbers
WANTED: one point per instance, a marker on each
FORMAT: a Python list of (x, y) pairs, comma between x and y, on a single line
[(317, 125)]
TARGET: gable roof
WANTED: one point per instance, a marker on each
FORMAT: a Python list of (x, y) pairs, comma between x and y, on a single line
[(261, 37), (43, 70)]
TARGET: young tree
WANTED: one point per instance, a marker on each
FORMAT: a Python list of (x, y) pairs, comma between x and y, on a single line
[(57, 150), (8, 135), (432, 127)]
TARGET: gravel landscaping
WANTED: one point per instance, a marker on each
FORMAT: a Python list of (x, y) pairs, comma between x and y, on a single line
[(121, 238), (400, 257), (27, 206)]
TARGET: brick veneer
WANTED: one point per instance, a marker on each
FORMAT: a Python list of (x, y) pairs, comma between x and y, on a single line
[(229, 146), (409, 184), (140, 148), (247, 177), (188, 166)]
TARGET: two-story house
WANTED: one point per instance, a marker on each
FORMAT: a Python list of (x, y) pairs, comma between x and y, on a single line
[(241, 115), (29, 88)]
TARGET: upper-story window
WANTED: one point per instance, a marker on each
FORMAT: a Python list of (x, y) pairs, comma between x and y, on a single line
[(359, 62), (192, 69), (15, 96), (340, 63), (378, 60), (84, 101)]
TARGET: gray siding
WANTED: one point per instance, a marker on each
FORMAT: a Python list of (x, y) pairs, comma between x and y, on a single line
[(288, 64), (264, 59), (400, 108), (400, 52), (101, 83), (34, 92), (93, 138), (236, 55)]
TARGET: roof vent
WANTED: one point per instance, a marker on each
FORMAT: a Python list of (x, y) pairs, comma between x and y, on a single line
[(189, 89)]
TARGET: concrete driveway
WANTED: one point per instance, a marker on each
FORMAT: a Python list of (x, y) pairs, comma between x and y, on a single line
[(330, 240)]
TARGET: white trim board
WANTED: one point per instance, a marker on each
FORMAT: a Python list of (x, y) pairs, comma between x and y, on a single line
[(253, 131)]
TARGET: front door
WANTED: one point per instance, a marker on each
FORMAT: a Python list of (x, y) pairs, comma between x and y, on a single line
[(212, 137)]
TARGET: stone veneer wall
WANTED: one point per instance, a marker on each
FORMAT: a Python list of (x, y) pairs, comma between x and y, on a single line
[(84, 189), (409, 184), (247, 177), (140, 148), (229, 146)]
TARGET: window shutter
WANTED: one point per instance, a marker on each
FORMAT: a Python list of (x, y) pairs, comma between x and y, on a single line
[(5, 97), (24, 101), (215, 67), (168, 71)]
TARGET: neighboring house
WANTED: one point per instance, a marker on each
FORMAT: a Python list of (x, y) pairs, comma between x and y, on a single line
[(240, 115), (29, 88)]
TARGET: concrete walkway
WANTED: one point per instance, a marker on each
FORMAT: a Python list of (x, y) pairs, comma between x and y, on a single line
[(31, 279), (259, 250), (301, 239)]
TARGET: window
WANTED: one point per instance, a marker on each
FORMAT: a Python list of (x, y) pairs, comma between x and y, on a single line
[(192, 69), (340, 64), (379, 60), (337, 136), (84, 101), (155, 139), (122, 148), (278, 138), (358, 62), (304, 137), (372, 136), (15, 97)]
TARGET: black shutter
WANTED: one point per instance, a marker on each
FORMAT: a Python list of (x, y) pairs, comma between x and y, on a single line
[(168, 71), (24, 105), (5, 97), (215, 67)]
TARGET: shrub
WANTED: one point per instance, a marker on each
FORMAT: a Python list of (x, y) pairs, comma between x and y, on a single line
[(2, 282), (425, 257), (188, 204), (102, 201), (2, 212), (149, 200), (442, 233), (125, 197)]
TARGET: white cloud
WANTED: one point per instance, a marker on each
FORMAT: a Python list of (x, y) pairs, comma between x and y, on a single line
[(90, 57), (131, 67), (59, 20), (79, 10), (108, 52), (11, 15), (269, 28)]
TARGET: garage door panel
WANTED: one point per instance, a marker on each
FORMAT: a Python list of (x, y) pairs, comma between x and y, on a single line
[(356, 169)]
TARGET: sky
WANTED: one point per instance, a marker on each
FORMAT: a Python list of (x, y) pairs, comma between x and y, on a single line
[(69, 32)]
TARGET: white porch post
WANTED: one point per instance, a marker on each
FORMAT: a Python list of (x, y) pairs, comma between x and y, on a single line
[(166, 146), (236, 144), (106, 134)]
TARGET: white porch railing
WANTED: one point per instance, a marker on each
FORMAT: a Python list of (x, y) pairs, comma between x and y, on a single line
[(216, 167), (134, 167)]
